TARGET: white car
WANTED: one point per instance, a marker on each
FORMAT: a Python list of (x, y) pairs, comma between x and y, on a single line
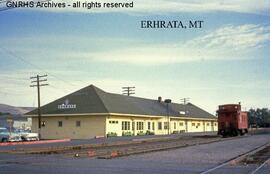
[(27, 135)]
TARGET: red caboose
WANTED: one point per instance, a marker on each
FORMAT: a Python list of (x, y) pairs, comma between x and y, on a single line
[(231, 120)]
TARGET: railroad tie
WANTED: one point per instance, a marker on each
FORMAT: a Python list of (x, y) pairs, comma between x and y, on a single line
[(114, 154), (91, 153)]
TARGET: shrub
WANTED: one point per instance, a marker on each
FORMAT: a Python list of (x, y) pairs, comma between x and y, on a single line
[(141, 133), (111, 134), (148, 132), (176, 132), (128, 133)]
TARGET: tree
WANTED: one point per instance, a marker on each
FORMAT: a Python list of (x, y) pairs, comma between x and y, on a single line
[(259, 117)]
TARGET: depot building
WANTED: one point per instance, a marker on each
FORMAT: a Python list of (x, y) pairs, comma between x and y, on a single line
[(91, 112)]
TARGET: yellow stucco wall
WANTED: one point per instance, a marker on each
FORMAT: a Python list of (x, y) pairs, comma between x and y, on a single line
[(114, 124), (192, 125), (90, 126), (117, 127)]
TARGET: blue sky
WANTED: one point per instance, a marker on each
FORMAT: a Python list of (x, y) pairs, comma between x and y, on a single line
[(226, 61)]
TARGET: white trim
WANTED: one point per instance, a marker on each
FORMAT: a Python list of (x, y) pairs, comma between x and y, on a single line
[(194, 118), (63, 115), (134, 115)]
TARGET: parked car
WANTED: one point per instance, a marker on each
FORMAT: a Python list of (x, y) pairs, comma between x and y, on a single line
[(27, 135), (6, 136)]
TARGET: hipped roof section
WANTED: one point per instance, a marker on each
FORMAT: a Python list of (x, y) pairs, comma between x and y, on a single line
[(94, 100)]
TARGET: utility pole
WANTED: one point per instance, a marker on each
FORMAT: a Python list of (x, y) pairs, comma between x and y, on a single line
[(184, 101), (38, 79), (167, 101), (128, 90)]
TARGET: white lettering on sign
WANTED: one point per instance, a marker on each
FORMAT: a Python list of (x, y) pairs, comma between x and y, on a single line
[(66, 105), (182, 112)]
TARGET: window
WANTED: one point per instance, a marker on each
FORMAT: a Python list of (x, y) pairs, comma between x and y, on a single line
[(78, 123), (165, 125), (159, 125), (125, 125), (113, 122), (208, 124), (181, 124), (133, 125), (174, 125), (149, 125), (215, 124), (43, 123), (60, 124), (153, 126), (198, 124), (139, 125), (193, 124)]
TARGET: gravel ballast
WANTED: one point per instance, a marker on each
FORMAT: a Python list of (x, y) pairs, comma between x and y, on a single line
[(192, 159)]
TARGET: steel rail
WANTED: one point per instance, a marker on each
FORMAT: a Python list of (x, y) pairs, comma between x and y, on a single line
[(238, 158), (258, 168)]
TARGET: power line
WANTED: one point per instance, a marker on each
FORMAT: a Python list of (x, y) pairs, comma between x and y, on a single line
[(127, 90), (184, 100), (22, 81), (38, 80), (33, 65), (11, 77), (58, 88), (8, 82), (9, 93), (15, 56)]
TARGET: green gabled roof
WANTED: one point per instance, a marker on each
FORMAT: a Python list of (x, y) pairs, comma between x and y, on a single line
[(94, 100), (87, 100)]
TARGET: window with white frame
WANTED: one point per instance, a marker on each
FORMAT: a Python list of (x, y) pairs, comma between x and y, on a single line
[(113, 122), (139, 125), (60, 123), (125, 125), (166, 125), (78, 123), (159, 125), (149, 125)]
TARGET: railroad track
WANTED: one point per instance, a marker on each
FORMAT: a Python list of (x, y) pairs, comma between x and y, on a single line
[(144, 147), (260, 167), (123, 148), (119, 149), (263, 160)]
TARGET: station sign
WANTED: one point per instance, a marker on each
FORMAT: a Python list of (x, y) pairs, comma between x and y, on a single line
[(67, 105)]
